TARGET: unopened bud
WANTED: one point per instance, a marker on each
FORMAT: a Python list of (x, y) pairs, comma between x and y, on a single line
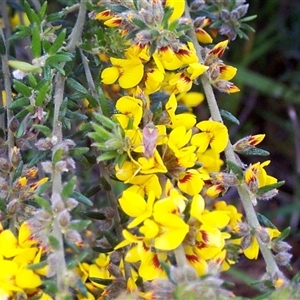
[(114, 271), (57, 203), (248, 142), (263, 235), (74, 237), (44, 144), (225, 15), (4, 165), (268, 195), (12, 207), (64, 219), (61, 166), (14, 124), (43, 215), (226, 179), (246, 241), (47, 166), (15, 157), (241, 10), (283, 258), (281, 246), (197, 4), (242, 229), (70, 204)]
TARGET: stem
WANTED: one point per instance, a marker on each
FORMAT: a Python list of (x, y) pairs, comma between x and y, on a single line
[(180, 256), (61, 267), (271, 265)]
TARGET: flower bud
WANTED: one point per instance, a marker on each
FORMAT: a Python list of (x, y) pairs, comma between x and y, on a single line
[(44, 144), (281, 246), (197, 4), (70, 204), (4, 165), (15, 157), (74, 237), (12, 207), (64, 219), (246, 241), (242, 229), (47, 166), (13, 124), (283, 258), (57, 203), (263, 235)]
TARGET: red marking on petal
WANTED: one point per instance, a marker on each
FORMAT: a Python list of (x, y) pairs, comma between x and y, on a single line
[(186, 178)]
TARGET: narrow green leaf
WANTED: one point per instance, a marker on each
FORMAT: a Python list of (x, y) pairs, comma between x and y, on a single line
[(21, 129), (117, 8), (235, 169), (264, 221), (32, 80), (18, 171), (284, 234), (37, 266), (54, 243), (42, 202), (21, 88), (167, 14), (68, 188), (24, 66), (229, 116), (103, 102), (40, 156), (79, 225), (101, 280), (106, 135), (95, 136), (173, 25), (78, 151), (81, 198), (96, 215), (46, 131), (107, 122), (77, 86), (43, 10), (58, 58), (57, 67), (55, 16), (42, 92), (269, 187), (75, 261), (58, 42), (36, 47), (31, 14), (254, 151), (103, 250), (107, 156), (139, 23)]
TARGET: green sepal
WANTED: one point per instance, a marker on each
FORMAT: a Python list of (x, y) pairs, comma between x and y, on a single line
[(54, 243), (68, 188), (46, 131), (81, 198), (229, 116), (235, 169), (57, 156), (284, 234), (269, 187), (42, 202)]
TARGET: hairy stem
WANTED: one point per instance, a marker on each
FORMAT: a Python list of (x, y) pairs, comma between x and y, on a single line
[(271, 265)]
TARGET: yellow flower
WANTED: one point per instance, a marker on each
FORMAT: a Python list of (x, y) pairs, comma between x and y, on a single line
[(129, 72), (190, 182), (191, 99), (213, 133), (178, 6)]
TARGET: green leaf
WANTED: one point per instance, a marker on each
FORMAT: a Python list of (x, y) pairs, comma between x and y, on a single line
[(58, 58), (22, 88), (36, 47), (254, 151), (43, 10), (77, 86), (42, 92), (104, 103), (102, 250), (106, 135), (31, 14), (101, 280), (54, 243), (81, 198), (235, 169), (173, 25), (269, 187), (264, 221), (73, 263), (117, 8), (284, 234), (68, 189), (42, 202), (21, 129), (229, 116), (139, 23), (37, 266), (107, 156), (96, 215), (78, 151), (57, 43), (50, 286), (57, 155), (40, 156), (46, 131), (95, 136), (107, 122), (24, 66), (32, 80), (57, 67), (79, 225), (168, 10)]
